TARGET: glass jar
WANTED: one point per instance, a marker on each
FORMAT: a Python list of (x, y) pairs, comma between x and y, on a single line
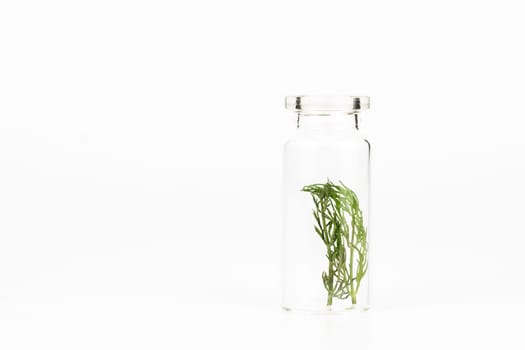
[(326, 206)]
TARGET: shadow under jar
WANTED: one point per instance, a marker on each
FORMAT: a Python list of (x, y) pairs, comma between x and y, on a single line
[(326, 206)]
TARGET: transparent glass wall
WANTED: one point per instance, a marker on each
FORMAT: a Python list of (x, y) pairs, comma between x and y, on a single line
[(326, 206)]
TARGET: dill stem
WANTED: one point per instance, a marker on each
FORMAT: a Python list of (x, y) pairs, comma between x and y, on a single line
[(330, 284), (352, 290), (330, 261)]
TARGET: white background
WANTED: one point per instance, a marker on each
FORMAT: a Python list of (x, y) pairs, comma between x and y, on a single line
[(140, 170)]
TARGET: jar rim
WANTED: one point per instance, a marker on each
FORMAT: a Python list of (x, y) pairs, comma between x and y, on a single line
[(327, 103)]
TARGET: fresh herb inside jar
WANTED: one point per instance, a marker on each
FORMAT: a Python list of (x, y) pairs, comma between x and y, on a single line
[(339, 223)]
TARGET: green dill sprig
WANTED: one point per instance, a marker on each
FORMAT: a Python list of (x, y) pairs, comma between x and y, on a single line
[(339, 223)]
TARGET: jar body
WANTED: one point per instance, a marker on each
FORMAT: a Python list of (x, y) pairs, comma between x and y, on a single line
[(326, 213)]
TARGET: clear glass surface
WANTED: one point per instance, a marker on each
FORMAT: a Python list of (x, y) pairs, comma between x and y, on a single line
[(326, 212)]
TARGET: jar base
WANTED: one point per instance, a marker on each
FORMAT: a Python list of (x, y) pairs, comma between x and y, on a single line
[(327, 311)]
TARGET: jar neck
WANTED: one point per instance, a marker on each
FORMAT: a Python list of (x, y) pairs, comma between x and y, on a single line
[(328, 122)]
